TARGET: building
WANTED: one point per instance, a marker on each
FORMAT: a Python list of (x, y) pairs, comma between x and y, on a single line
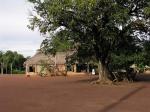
[(57, 63)]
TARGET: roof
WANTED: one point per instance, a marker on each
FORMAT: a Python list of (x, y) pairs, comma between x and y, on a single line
[(39, 57)]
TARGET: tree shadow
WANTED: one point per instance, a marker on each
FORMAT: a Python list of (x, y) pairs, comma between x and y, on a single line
[(88, 80), (138, 78), (143, 78), (111, 106)]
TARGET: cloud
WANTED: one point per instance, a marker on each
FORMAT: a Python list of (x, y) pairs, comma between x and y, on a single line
[(26, 43), (14, 34)]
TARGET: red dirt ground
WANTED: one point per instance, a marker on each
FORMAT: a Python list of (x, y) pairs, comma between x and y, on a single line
[(71, 94)]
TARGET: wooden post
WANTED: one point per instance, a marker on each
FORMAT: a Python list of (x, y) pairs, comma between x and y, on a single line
[(27, 69), (35, 68), (75, 68)]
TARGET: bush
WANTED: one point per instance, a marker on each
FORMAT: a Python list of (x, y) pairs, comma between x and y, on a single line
[(18, 72)]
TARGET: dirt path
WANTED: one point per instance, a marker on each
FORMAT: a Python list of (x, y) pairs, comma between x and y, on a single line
[(70, 94)]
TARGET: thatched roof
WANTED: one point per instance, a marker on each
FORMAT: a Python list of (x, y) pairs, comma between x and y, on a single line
[(38, 58), (59, 58)]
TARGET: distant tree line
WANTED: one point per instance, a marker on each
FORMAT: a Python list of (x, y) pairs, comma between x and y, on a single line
[(11, 62)]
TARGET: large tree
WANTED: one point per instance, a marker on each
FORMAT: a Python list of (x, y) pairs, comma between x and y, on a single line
[(103, 25)]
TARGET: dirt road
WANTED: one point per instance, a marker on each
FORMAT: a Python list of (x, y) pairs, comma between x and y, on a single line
[(70, 94)]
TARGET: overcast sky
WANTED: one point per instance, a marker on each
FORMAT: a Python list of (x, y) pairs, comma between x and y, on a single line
[(14, 34)]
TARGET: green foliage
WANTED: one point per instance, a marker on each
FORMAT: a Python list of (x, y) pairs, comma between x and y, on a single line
[(123, 60), (146, 53), (105, 26), (46, 69), (58, 43), (18, 71), (9, 58), (147, 11)]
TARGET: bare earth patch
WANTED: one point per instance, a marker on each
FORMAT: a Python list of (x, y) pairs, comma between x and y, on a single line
[(71, 94)]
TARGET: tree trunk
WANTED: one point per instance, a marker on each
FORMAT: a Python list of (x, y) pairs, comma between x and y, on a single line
[(11, 68), (100, 69), (88, 68), (6, 68), (2, 68), (103, 72)]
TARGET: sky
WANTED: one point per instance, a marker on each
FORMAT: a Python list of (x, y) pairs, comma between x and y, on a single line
[(14, 34)]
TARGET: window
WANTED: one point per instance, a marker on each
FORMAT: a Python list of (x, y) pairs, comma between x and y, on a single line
[(31, 69)]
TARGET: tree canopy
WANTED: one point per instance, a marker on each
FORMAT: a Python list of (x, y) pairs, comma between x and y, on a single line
[(105, 26), (11, 60)]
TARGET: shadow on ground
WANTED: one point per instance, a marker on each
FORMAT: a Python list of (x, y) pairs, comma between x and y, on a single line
[(143, 78), (113, 105), (139, 78), (88, 80)]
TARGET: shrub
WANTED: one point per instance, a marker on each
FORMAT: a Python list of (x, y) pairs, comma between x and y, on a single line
[(18, 72)]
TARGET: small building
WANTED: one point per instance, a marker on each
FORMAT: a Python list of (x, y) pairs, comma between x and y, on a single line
[(55, 65), (34, 65)]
